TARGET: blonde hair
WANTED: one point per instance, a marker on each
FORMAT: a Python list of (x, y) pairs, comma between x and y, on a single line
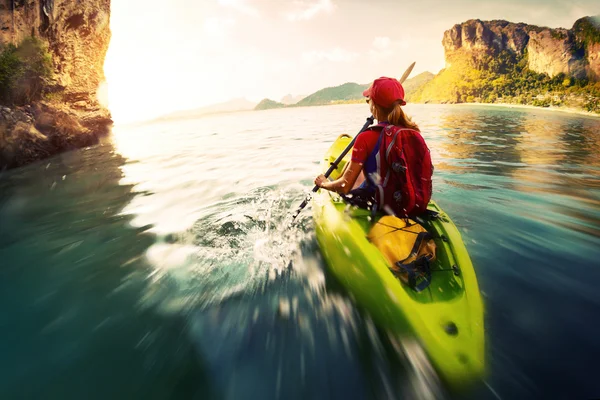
[(394, 115)]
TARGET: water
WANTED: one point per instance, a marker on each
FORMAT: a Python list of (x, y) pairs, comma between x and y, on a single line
[(157, 264)]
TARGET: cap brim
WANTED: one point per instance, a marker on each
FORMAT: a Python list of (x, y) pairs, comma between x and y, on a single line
[(367, 93)]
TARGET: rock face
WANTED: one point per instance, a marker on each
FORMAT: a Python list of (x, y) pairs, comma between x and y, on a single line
[(553, 52), (77, 34), (594, 61), (35, 132), (574, 52), (587, 33), (490, 37)]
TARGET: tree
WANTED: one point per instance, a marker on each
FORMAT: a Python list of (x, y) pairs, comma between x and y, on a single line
[(24, 72)]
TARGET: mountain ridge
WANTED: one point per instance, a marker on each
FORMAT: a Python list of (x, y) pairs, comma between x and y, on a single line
[(349, 92), (233, 105)]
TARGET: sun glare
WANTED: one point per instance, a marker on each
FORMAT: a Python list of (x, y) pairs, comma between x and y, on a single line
[(152, 72), (168, 58)]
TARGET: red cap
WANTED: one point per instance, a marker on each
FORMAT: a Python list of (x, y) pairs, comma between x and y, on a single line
[(385, 92)]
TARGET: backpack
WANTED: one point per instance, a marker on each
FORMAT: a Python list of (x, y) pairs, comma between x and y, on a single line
[(403, 185)]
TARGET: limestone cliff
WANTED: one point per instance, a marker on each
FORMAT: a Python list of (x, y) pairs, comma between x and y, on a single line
[(77, 35), (574, 52)]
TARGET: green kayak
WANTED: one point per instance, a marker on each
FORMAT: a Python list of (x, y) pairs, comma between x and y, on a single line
[(446, 318)]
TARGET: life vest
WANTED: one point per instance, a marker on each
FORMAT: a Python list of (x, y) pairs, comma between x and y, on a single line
[(403, 179)]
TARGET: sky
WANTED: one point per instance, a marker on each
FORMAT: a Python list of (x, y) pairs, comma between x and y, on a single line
[(169, 55)]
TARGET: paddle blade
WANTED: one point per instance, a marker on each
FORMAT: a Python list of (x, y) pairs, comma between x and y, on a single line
[(407, 72)]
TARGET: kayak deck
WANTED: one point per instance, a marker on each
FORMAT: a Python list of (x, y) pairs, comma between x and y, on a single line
[(446, 317)]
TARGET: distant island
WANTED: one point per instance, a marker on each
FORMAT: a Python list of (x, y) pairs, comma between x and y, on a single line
[(503, 63), (348, 92), (290, 99), (240, 104)]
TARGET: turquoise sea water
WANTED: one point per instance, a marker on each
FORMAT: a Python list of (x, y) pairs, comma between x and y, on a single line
[(156, 265)]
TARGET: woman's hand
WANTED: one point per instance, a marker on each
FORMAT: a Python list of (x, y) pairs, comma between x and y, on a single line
[(344, 184), (320, 180)]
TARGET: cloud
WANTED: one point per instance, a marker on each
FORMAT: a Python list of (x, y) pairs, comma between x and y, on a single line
[(241, 6), (383, 47), (309, 9), (335, 55), (217, 26), (382, 43)]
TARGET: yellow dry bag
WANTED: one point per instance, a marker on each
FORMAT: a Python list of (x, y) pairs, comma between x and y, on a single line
[(408, 247)]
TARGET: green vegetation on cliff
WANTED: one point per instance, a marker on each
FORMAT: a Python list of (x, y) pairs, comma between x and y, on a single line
[(505, 78), (502, 62), (587, 30), (24, 72)]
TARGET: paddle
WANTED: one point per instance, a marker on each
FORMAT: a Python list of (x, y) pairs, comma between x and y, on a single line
[(335, 164)]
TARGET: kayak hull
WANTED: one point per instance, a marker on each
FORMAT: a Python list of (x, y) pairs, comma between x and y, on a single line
[(446, 318)]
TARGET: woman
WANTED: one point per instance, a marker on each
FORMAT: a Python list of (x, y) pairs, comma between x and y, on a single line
[(385, 97)]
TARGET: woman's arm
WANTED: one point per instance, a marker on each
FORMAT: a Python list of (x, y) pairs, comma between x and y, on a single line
[(345, 183)]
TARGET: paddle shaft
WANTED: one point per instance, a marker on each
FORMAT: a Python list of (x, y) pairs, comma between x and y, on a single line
[(334, 165)]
